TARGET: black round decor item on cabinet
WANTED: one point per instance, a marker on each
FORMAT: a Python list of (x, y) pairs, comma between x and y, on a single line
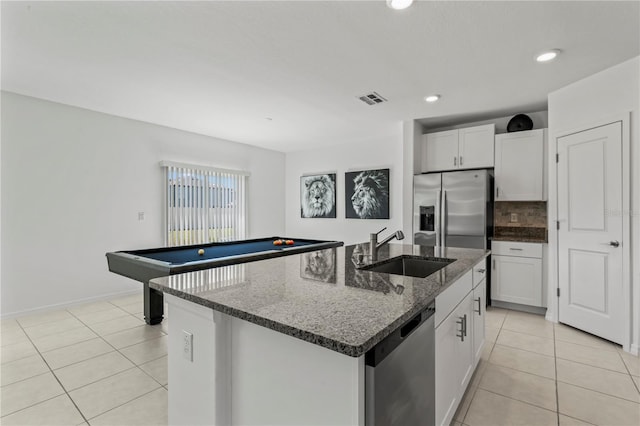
[(520, 123)]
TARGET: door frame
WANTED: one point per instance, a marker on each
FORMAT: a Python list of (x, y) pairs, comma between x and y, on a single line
[(553, 241)]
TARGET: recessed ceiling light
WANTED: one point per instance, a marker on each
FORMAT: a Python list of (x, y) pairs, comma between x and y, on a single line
[(399, 4), (548, 55), (432, 98)]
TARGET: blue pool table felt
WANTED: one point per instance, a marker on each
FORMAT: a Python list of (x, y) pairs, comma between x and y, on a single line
[(179, 255)]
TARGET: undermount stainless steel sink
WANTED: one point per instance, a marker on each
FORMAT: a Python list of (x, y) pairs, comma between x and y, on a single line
[(413, 266)]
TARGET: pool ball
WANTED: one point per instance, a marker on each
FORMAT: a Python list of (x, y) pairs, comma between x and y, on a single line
[(201, 252), (289, 242), (277, 242)]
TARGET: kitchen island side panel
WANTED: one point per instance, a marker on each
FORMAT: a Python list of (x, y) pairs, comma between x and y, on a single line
[(245, 374)]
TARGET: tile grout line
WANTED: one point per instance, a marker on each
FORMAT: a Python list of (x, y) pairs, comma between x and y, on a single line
[(39, 353), (629, 371), (598, 348), (600, 392), (123, 355), (55, 377), (590, 365), (131, 400), (517, 400)]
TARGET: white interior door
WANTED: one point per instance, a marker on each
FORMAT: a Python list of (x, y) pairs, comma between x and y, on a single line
[(590, 259)]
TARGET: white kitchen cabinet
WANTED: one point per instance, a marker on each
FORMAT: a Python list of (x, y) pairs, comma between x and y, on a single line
[(478, 313), (454, 365), (457, 340), (520, 171), (517, 273), (468, 148)]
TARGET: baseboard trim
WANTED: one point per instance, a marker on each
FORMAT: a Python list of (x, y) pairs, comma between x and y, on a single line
[(518, 307), (70, 304)]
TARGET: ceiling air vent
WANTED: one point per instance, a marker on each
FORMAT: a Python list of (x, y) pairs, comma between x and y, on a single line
[(372, 98)]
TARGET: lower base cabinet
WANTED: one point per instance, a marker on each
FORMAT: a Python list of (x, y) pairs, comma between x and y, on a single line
[(453, 360), (479, 311), (459, 340), (517, 273)]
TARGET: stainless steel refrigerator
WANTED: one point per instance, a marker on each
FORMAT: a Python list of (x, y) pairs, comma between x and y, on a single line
[(453, 209)]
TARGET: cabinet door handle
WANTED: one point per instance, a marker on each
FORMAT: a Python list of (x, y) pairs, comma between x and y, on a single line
[(497, 192), (479, 311), (515, 249), (461, 321), (461, 160), (481, 271), (494, 264), (465, 325), (455, 161)]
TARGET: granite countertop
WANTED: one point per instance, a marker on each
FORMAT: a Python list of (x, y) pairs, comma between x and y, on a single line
[(321, 297)]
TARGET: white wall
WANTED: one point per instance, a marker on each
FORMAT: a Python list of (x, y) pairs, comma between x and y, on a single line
[(611, 92), (373, 154), (73, 182)]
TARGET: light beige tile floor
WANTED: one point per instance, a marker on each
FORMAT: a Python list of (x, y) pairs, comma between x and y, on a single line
[(93, 364), (539, 373), (99, 364)]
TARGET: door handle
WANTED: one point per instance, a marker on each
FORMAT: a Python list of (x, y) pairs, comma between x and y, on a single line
[(461, 160), (461, 321), (465, 325), (614, 243), (443, 219), (497, 192), (455, 161), (479, 311)]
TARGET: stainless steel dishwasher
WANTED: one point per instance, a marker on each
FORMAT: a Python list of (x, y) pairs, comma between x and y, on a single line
[(400, 375)]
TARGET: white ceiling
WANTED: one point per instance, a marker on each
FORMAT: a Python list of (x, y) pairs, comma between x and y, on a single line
[(222, 68)]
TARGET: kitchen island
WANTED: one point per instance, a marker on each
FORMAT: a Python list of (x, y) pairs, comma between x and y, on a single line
[(282, 341)]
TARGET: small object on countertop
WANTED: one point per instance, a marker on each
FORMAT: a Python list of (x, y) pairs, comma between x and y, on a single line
[(277, 242), (289, 242), (201, 252)]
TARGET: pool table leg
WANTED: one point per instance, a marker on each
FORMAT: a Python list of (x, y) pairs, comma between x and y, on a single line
[(153, 305)]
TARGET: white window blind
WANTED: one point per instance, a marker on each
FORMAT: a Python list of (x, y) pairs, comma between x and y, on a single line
[(204, 204)]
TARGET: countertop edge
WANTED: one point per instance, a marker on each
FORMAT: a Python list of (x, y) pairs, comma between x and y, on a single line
[(325, 342), (317, 339)]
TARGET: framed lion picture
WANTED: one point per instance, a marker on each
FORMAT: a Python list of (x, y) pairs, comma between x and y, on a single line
[(318, 196), (367, 194)]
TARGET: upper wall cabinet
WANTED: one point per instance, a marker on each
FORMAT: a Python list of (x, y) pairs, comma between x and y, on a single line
[(469, 148), (520, 167)]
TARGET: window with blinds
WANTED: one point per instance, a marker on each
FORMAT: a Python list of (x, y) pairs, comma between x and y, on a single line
[(204, 204)]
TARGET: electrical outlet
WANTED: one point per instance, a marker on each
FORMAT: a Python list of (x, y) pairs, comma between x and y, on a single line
[(187, 346), (514, 217)]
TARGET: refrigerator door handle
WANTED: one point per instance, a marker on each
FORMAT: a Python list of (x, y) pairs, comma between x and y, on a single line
[(438, 218), (443, 219)]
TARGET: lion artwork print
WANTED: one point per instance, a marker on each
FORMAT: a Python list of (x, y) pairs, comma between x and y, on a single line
[(318, 198), (369, 197), (319, 265)]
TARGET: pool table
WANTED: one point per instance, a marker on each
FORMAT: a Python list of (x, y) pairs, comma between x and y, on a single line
[(143, 265)]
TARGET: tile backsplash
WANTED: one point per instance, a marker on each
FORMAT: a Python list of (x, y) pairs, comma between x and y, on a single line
[(527, 214)]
